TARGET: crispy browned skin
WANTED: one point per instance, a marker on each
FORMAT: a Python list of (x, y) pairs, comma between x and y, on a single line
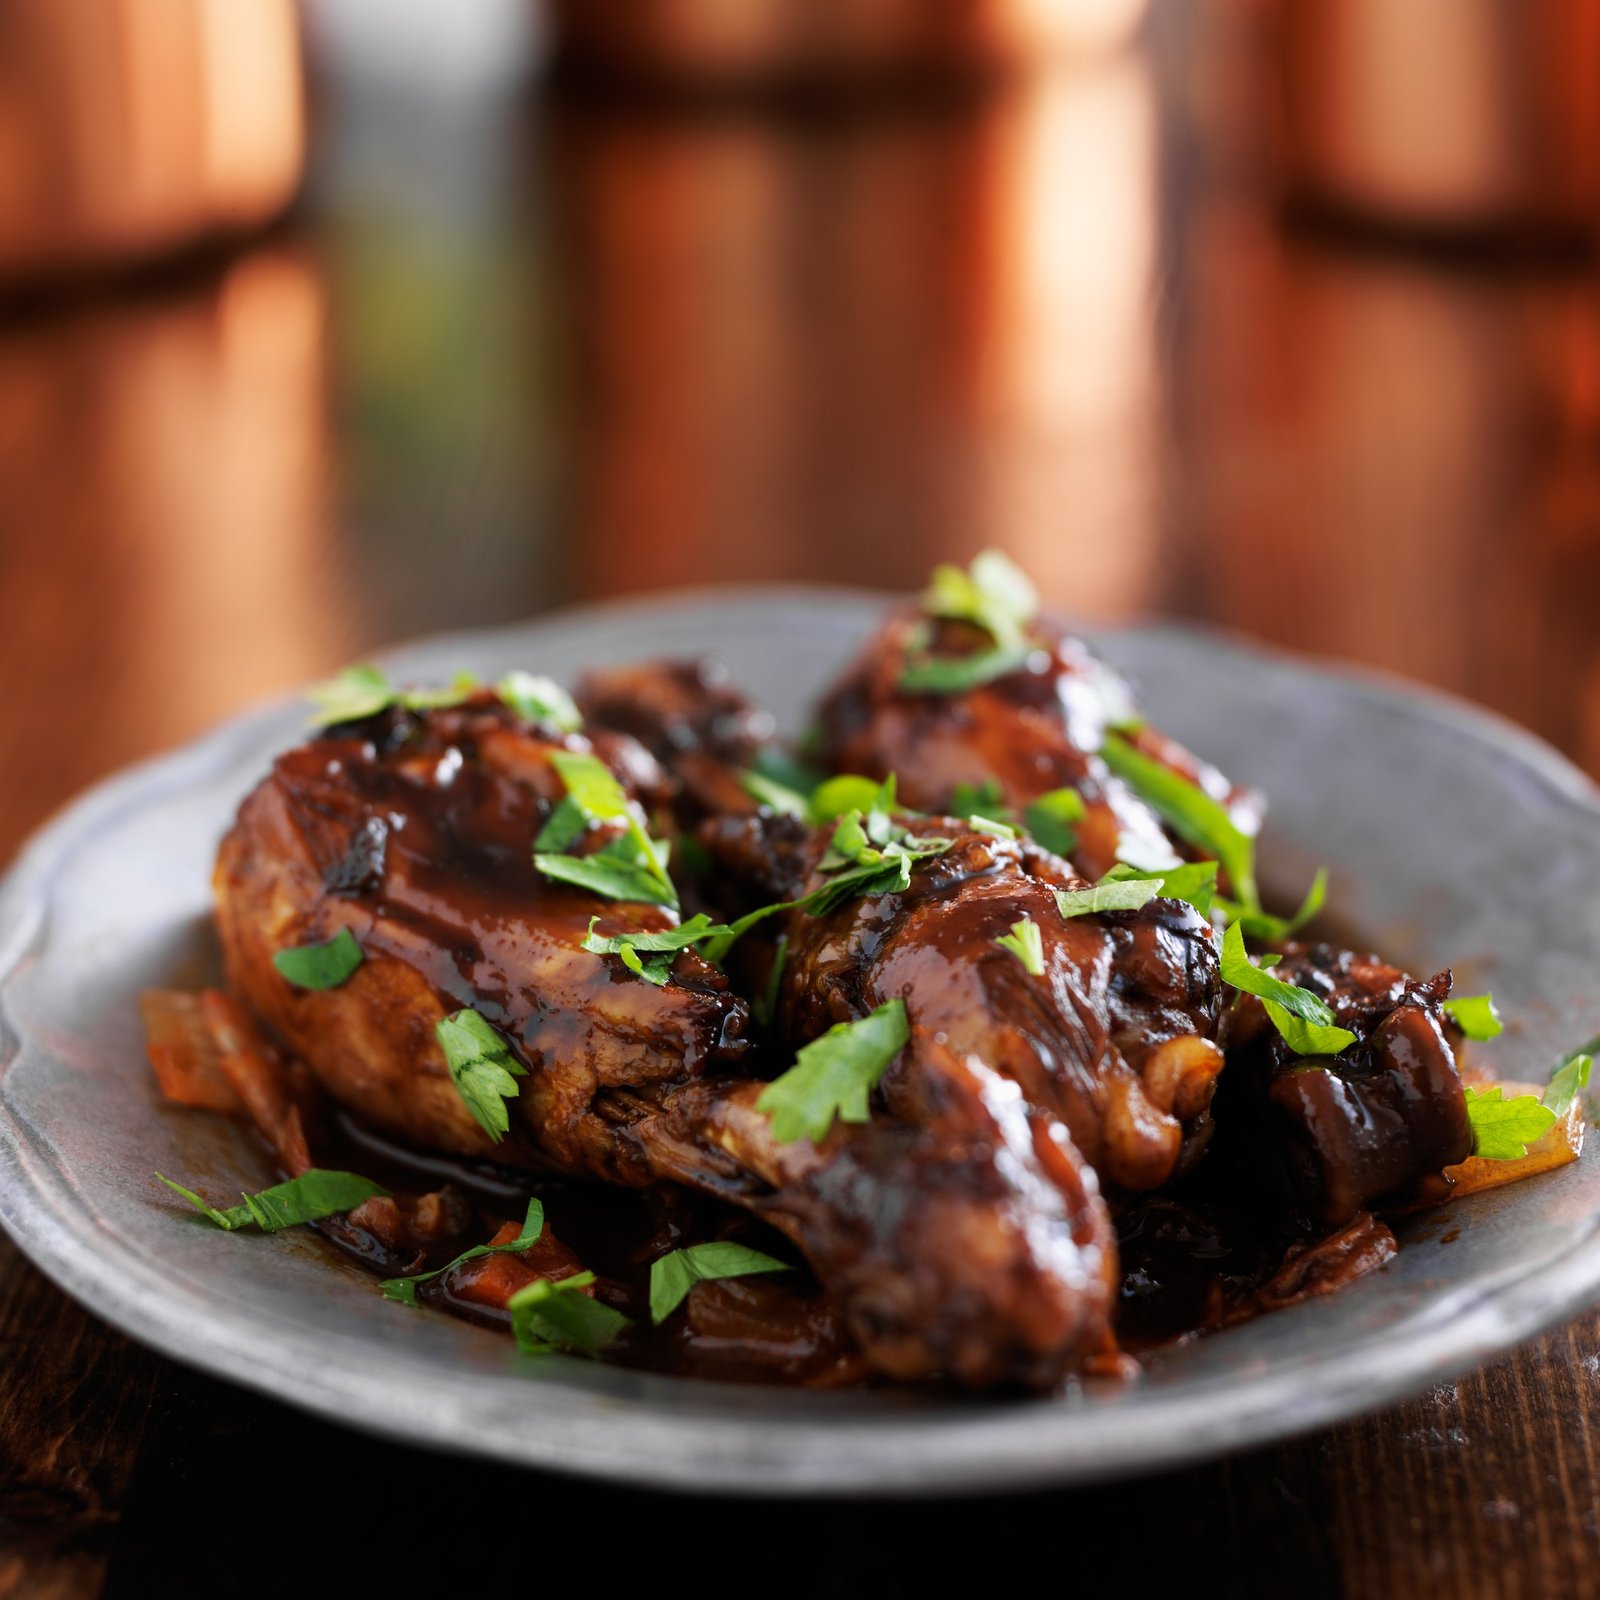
[(958, 1233), (1337, 1133), (1033, 730)]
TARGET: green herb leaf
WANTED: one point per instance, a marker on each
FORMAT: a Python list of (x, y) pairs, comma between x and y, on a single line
[(675, 1274), (608, 877), (972, 799), (1051, 818), (483, 1067), (320, 966), (1302, 1018), (363, 691), (832, 1076), (540, 699), (315, 1194), (632, 867), (958, 674), (1570, 1079), (1503, 1129), (1112, 895), (459, 687), (1194, 881), (1190, 812), (993, 594), (651, 955), (1027, 944), (353, 694), (1475, 1015), (549, 1316), (836, 797), (775, 796), (405, 1289), (766, 1005)]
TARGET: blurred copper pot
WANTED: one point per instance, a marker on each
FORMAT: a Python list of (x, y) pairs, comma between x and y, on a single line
[(764, 42), (130, 127), (1443, 114)]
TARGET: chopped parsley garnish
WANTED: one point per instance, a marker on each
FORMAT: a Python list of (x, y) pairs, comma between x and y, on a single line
[(774, 795), (675, 1274), (320, 966), (1570, 1079), (1261, 924), (1027, 944), (832, 1076), (557, 1315), (1301, 1017), (1503, 1129), (979, 799), (483, 1067), (1110, 894), (315, 1194), (847, 792), (651, 955), (631, 867), (1190, 812), (405, 1289), (363, 691), (1051, 818), (539, 699), (1194, 881), (1475, 1015), (995, 595)]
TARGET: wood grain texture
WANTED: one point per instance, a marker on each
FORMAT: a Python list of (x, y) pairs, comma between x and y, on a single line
[(594, 346)]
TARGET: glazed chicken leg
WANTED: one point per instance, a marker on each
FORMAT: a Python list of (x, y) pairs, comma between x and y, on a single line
[(958, 1234)]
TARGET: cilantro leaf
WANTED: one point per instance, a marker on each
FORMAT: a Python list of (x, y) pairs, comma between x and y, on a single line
[(772, 794), (631, 867), (1475, 1015), (1261, 924), (1286, 1004), (675, 1274), (1050, 820), (539, 699), (651, 955), (316, 1193), (1190, 812), (405, 1289), (363, 691), (1027, 944), (1108, 895), (483, 1067), (555, 1315), (320, 966), (356, 692), (1503, 1129), (832, 1076), (987, 798), (1194, 881), (993, 594), (1570, 1079), (957, 674), (849, 791)]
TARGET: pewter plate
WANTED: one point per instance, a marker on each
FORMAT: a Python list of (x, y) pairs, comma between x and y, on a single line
[(1452, 837)]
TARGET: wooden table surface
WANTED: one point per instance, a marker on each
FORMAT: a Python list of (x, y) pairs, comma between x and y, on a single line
[(513, 355)]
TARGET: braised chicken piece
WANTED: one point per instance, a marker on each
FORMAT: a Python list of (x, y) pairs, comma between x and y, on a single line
[(1336, 1133), (1112, 1040), (957, 1233), (1035, 728), (416, 833)]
